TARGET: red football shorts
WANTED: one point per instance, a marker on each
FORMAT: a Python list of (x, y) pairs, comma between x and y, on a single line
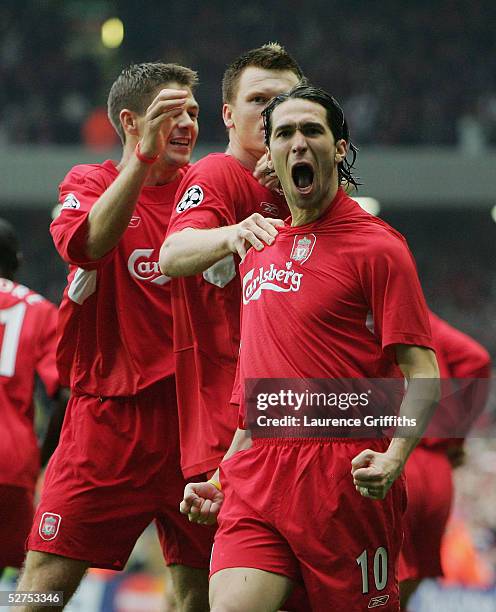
[(291, 508), (430, 492), (16, 518), (115, 470)]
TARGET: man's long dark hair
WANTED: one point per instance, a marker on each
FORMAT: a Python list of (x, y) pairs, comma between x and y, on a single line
[(335, 119)]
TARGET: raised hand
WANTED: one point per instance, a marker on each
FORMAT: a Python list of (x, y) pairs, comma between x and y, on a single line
[(265, 176), (159, 120)]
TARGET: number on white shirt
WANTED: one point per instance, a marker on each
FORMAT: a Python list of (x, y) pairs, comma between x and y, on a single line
[(12, 318)]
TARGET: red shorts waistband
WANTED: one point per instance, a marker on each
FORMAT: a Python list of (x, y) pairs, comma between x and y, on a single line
[(309, 441)]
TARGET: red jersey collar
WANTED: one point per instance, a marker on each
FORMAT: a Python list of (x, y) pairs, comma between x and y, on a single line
[(340, 209)]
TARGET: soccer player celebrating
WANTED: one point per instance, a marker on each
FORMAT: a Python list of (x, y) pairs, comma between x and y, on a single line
[(27, 348), (429, 468), (219, 210), (291, 511), (117, 465)]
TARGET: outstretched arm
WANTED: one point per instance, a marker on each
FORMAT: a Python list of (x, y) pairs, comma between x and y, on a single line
[(191, 251)]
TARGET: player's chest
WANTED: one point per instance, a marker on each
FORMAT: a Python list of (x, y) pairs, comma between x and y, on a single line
[(306, 273), (139, 248)]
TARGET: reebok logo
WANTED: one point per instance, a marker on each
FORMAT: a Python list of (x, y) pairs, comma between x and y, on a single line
[(375, 602), (269, 208), (142, 267), (273, 279)]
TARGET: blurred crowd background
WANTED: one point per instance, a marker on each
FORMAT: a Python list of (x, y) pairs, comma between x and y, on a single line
[(414, 75), (410, 73)]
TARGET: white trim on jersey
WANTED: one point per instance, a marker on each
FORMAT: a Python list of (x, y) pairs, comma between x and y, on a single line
[(222, 272), (82, 286)]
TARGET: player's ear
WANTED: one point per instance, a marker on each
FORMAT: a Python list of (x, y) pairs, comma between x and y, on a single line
[(227, 116), (341, 148), (129, 122), (270, 164)]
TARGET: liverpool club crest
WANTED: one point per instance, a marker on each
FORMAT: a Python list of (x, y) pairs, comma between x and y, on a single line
[(303, 247), (49, 525)]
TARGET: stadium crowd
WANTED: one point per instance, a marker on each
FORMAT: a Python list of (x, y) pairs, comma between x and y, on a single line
[(54, 70)]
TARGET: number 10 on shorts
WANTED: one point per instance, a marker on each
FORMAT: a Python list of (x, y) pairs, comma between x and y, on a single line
[(380, 569)]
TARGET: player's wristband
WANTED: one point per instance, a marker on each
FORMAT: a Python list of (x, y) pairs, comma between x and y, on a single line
[(144, 158), (216, 484)]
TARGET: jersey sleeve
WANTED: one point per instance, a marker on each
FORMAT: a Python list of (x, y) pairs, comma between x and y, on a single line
[(46, 349), (393, 290), (465, 368), (78, 192), (205, 198), (464, 357), (461, 357)]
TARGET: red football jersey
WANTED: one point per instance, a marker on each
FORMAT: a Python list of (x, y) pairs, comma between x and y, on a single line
[(330, 300), (27, 347), (458, 356), (115, 326), (217, 191)]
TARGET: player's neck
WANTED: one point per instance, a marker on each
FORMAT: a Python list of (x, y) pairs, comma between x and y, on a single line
[(303, 213), (245, 158), (161, 175)]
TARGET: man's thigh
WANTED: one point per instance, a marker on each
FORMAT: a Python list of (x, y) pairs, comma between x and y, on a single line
[(252, 566), (246, 589), (244, 538)]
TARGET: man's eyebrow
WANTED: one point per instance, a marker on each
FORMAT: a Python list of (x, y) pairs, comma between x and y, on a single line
[(314, 124), (305, 124), (284, 126), (260, 90)]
